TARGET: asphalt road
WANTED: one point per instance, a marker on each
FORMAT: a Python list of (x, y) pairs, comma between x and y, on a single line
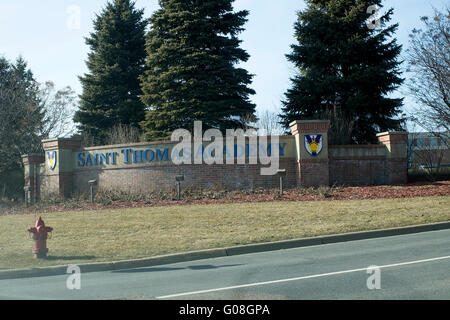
[(415, 266)]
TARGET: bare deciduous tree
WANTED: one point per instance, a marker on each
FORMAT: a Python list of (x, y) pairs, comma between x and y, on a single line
[(122, 134), (341, 127), (429, 62), (269, 122), (59, 108), (264, 123), (426, 153)]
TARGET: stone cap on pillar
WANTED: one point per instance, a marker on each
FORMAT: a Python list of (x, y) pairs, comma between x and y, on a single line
[(393, 137), (305, 126), (32, 158), (395, 142), (61, 143)]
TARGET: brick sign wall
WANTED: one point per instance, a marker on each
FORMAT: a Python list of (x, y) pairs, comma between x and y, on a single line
[(66, 167)]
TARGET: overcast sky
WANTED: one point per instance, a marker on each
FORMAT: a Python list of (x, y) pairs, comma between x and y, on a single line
[(47, 35)]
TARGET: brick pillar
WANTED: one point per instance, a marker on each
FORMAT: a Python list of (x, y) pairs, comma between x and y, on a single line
[(32, 164), (60, 171), (312, 162), (396, 156)]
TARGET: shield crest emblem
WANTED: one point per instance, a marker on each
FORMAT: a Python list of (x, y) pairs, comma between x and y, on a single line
[(313, 144), (51, 160)]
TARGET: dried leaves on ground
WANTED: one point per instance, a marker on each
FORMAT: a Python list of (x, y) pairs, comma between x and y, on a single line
[(111, 201)]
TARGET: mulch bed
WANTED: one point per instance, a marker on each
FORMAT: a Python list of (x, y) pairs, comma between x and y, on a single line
[(417, 189)]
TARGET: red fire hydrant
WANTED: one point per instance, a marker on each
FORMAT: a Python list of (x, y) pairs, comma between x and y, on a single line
[(40, 234)]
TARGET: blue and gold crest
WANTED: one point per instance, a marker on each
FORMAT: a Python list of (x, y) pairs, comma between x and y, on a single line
[(313, 144), (51, 160)]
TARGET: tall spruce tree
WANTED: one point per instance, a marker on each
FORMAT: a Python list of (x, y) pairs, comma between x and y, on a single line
[(192, 52), (111, 89), (21, 122), (346, 68)]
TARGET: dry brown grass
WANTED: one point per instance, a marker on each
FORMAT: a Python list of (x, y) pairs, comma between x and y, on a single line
[(105, 235)]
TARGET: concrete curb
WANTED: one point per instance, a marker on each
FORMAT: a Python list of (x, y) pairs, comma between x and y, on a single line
[(216, 253)]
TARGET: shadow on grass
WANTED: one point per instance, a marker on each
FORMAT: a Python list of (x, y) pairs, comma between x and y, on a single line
[(156, 269)]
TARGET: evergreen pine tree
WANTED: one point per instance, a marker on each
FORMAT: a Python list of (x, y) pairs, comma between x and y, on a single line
[(192, 52), (21, 121), (32, 109), (111, 89), (346, 68)]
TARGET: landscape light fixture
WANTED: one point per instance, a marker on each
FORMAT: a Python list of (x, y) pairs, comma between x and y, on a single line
[(178, 180), (92, 183), (281, 173), (27, 190)]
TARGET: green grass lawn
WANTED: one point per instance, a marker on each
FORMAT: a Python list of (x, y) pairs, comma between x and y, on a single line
[(88, 236)]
